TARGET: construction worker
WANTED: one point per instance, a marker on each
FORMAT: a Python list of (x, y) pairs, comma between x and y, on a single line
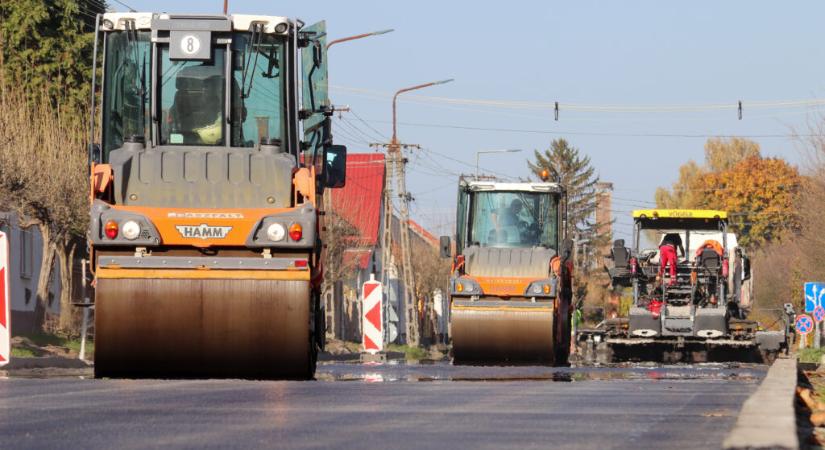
[(712, 244), (667, 255)]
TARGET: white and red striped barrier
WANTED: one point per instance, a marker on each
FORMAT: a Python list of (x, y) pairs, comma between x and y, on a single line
[(5, 301), (372, 318)]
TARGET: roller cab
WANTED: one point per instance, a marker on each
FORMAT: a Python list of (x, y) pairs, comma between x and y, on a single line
[(204, 224), (510, 283)]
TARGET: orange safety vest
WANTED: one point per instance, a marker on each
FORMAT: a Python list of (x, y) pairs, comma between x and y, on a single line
[(711, 243)]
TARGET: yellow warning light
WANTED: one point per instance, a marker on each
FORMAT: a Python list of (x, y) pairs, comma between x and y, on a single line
[(459, 287), (546, 288), (545, 174)]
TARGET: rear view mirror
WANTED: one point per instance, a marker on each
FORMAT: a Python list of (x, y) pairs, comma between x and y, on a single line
[(444, 246), (95, 155), (335, 166)]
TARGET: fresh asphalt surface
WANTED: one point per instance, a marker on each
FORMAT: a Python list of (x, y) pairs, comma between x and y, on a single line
[(386, 406)]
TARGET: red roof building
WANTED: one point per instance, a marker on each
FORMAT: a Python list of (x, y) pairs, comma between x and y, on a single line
[(359, 203)]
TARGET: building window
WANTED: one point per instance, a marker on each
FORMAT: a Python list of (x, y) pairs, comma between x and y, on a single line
[(26, 253)]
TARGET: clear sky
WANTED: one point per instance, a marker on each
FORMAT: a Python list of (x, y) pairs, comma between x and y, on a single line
[(626, 53)]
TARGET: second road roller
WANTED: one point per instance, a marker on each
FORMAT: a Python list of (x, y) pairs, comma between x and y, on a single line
[(213, 155), (511, 282)]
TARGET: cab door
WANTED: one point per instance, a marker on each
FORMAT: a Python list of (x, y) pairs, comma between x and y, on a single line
[(315, 104)]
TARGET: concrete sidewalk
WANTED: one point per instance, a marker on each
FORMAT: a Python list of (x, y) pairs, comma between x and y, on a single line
[(768, 418)]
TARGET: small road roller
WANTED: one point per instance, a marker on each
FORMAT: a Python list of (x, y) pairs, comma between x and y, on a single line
[(510, 286)]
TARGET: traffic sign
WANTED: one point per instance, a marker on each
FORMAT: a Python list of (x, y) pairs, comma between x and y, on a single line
[(819, 313), (814, 296), (373, 316), (5, 301), (804, 324)]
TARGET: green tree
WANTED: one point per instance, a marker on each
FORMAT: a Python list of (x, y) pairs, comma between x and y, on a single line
[(46, 45), (45, 69), (574, 171)]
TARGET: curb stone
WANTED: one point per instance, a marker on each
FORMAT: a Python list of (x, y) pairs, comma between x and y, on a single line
[(768, 419)]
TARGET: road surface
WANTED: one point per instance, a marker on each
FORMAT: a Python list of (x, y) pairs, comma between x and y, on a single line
[(386, 406)]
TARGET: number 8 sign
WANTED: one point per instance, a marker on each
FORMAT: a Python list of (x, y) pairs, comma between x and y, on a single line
[(190, 44)]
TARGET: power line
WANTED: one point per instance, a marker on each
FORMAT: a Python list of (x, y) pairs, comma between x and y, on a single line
[(607, 108), (124, 4), (355, 130), (603, 134), (465, 163), (382, 135)]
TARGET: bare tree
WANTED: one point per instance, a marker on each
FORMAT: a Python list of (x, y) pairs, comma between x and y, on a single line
[(339, 236), (43, 179)]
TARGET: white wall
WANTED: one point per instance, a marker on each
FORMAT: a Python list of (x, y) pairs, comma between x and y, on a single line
[(25, 255)]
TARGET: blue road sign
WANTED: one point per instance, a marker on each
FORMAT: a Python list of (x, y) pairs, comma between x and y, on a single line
[(814, 296), (804, 324), (819, 313)]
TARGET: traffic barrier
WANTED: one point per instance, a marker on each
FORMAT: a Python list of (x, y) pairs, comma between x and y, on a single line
[(372, 329), (5, 302)]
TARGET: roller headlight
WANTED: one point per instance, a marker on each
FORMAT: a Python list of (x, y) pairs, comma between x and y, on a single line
[(275, 232), (536, 289), (130, 230)]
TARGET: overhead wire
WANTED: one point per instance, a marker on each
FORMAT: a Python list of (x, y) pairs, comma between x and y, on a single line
[(356, 130), (360, 119), (614, 108), (124, 4), (601, 134)]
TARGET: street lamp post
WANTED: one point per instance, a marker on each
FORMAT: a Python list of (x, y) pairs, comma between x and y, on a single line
[(401, 91), (395, 169), (509, 150), (333, 308)]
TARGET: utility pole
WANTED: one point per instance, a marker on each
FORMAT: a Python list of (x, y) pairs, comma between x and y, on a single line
[(396, 169)]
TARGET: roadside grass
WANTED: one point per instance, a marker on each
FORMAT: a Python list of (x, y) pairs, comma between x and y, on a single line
[(410, 353), (38, 344), (811, 355), (22, 352)]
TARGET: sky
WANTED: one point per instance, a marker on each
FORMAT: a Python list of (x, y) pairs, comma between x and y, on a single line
[(512, 60)]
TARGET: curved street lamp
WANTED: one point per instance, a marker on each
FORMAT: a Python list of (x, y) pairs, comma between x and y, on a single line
[(358, 36), (412, 88)]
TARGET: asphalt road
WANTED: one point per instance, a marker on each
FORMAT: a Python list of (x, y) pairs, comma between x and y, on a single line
[(385, 406)]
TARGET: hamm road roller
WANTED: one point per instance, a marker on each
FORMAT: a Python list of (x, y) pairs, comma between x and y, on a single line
[(214, 153), (510, 294)]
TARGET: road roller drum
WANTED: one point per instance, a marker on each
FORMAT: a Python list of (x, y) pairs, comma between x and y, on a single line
[(242, 328), (502, 332)]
